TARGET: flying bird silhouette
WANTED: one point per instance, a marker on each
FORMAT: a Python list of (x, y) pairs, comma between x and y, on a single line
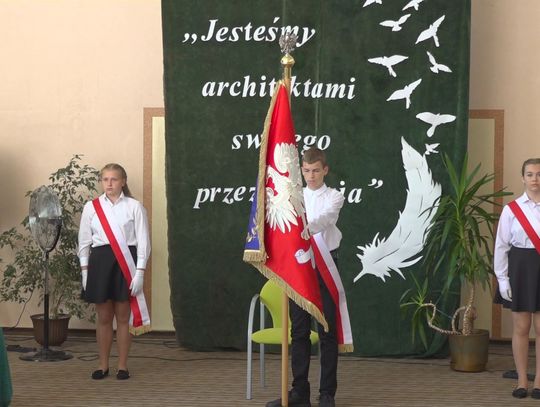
[(388, 62), (396, 25), (435, 119), (413, 3), (431, 149), (431, 32), (405, 93), (368, 2), (435, 66)]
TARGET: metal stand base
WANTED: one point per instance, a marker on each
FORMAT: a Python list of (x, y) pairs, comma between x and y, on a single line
[(46, 355)]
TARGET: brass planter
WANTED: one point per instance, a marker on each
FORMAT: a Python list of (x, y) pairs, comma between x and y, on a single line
[(469, 353), (58, 329)]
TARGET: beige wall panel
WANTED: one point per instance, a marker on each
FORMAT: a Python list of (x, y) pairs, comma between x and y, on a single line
[(161, 292), (504, 61), (481, 147)]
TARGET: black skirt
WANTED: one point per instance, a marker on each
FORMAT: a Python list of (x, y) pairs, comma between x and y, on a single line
[(105, 279), (524, 275)]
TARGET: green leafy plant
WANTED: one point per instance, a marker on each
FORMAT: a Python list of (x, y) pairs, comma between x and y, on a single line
[(459, 243), (74, 185)]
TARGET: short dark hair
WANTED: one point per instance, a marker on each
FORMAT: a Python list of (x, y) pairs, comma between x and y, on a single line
[(312, 155), (531, 161)]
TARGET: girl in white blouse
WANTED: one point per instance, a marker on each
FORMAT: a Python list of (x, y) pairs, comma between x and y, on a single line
[(103, 282), (517, 267)]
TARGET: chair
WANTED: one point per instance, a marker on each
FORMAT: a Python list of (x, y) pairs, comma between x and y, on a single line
[(270, 297)]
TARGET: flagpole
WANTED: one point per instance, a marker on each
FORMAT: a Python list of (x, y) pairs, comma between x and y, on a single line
[(285, 352), (287, 43)]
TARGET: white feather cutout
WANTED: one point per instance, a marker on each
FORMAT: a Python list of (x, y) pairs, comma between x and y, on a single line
[(401, 249)]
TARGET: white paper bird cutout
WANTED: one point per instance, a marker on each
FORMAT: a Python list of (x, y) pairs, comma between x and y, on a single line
[(402, 248), (285, 202), (396, 25), (431, 149), (435, 66), (369, 2), (431, 32), (413, 3), (405, 93), (388, 62), (435, 119)]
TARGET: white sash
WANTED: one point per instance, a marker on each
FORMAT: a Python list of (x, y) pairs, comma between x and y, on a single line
[(330, 275)]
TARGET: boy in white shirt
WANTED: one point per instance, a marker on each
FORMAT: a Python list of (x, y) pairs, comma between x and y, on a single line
[(322, 209)]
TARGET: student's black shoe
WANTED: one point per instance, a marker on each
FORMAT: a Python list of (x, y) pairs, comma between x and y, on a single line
[(519, 393), (100, 374), (122, 375), (512, 374), (326, 400), (295, 400), (535, 393)]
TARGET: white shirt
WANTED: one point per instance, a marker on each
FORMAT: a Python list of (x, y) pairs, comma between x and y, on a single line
[(511, 233), (130, 216), (322, 211)]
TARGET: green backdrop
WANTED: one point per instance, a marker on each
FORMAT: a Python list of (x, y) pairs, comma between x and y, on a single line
[(220, 59)]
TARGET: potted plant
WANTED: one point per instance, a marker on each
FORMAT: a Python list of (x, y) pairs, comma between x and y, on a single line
[(23, 275), (458, 243)]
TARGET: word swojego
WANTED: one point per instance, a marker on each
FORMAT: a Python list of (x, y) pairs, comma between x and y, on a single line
[(253, 140)]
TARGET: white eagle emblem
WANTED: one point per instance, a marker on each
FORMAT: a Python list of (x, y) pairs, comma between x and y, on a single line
[(284, 202)]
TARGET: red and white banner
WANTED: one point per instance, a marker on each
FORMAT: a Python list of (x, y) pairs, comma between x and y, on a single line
[(330, 275), (139, 320), (278, 242)]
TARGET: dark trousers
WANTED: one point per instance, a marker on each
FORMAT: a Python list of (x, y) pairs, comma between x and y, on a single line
[(301, 346)]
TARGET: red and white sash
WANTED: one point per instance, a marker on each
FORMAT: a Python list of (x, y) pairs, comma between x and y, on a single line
[(330, 275), (528, 221), (139, 321)]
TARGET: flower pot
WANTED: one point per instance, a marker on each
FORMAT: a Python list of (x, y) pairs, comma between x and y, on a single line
[(469, 353), (58, 329)]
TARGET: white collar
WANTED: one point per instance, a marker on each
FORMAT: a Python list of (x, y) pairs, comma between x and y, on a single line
[(318, 191), (106, 199), (525, 199)]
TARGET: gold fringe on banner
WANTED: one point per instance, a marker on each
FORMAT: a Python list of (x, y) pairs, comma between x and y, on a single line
[(306, 305), (260, 255), (346, 348), (254, 256), (140, 330)]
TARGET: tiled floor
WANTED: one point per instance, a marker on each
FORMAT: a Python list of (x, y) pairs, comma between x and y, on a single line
[(165, 375)]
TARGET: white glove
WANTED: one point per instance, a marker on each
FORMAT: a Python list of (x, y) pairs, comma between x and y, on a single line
[(84, 274), (504, 289), (137, 282)]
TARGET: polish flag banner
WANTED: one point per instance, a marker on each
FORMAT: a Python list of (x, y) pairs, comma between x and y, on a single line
[(278, 242)]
